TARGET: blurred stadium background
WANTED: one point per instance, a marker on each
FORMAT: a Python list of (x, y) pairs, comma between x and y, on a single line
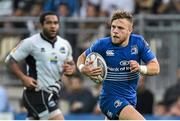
[(82, 22)]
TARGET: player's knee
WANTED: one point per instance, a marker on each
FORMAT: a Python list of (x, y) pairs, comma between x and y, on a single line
[(130, 113), (56, 115)]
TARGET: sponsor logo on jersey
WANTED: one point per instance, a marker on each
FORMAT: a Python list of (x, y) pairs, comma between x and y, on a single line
[(53, 61), (117, 103), (62, 50), (124, 63), (110, 53), (42, 49), (134, 49), (51, 103), (54, 58)]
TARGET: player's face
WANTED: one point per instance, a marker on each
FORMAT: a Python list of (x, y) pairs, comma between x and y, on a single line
[(50, 26), (120, 31)]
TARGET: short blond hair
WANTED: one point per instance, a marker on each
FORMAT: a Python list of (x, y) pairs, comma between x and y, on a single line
[(122, 15)]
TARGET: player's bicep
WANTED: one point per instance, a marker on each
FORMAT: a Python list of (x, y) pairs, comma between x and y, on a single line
[(82, 57), (148, 56)]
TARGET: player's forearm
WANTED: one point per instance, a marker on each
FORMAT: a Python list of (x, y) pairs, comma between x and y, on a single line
[(81, 60), (153, 68), (14, 67)]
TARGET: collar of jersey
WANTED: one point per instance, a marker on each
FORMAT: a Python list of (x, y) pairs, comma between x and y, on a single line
[(46, 39)]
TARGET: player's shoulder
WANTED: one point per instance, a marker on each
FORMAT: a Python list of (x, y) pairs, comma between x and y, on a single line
[(137, 38), (32, 37), (60, 39), (105, 40)]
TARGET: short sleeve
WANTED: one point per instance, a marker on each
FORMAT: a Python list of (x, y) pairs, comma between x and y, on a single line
[(22, 50), (146, 53)]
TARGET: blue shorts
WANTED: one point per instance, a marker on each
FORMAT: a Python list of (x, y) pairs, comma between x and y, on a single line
[(111, 106)]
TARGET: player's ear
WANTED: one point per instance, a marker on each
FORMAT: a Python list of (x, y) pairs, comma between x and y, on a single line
[(130, 28)]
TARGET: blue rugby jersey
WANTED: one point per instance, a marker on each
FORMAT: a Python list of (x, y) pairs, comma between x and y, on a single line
[(120, 81)]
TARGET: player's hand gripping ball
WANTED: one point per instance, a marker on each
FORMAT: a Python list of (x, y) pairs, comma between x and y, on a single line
[(98, 61)]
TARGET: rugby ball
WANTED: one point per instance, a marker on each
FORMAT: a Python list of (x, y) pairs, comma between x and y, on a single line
[(98, 61)]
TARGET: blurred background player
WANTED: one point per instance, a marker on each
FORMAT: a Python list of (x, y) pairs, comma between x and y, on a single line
[(48, 57), (145, 98), (80, 99)]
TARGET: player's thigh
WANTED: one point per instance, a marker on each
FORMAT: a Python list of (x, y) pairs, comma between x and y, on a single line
[(130, 113), (56, 115)]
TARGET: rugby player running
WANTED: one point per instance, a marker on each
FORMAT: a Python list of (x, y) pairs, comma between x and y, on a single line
[(123, 52)]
